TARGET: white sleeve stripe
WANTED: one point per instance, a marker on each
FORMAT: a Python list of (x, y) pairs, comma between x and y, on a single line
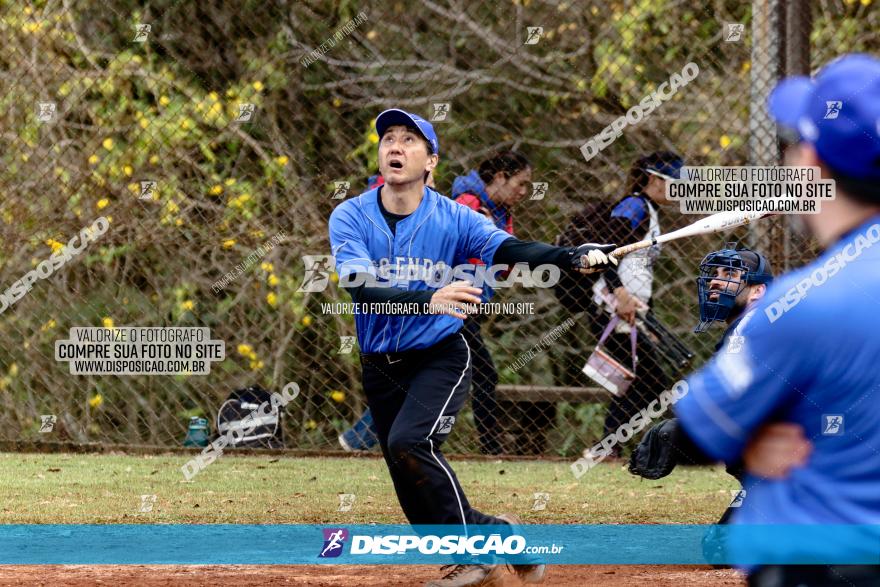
[(717, 415), (338, 248), (347, 261)]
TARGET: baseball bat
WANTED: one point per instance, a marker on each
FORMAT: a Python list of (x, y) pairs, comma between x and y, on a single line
[(714, 223)]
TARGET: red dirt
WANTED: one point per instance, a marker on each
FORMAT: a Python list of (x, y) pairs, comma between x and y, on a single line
[(345, 575)]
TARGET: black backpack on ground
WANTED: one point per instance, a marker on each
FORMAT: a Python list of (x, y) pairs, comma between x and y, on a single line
[(268, 432)]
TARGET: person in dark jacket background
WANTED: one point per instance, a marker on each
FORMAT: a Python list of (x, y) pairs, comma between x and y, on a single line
[(499, 184), (625, 289)]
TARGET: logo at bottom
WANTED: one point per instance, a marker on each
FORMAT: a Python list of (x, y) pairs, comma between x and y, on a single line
[(334, 540)]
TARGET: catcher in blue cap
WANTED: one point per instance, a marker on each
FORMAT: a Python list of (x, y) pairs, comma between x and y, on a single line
[(416, 364), (809, 354)]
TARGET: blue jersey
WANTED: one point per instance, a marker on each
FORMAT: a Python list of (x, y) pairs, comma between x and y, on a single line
[(809, 354), (440, 233)]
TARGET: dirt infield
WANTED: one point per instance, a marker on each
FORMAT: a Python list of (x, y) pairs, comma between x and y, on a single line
[(344, 575)]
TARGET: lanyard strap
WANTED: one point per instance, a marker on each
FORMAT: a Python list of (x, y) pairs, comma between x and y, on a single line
[(633, 335)]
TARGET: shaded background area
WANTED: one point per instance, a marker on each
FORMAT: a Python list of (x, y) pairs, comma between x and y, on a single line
[(162, 105)]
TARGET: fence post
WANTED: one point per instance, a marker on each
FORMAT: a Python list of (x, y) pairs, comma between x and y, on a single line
[(798, 25), (767, 38)]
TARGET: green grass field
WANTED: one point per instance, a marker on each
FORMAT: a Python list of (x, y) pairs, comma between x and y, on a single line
[(90, 488)]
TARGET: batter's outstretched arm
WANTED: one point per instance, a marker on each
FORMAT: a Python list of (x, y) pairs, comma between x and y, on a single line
[(584, 258)]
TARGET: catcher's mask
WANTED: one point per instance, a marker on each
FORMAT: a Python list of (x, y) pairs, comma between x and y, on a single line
[(753, 267)]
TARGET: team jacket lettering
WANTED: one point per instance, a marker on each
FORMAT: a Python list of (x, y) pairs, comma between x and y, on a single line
[(439, 231)]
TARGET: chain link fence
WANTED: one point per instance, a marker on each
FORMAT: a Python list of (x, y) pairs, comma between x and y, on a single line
[(216, 138)]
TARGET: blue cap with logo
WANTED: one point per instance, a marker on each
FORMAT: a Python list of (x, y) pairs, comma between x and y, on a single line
[(396, 116), (838, 113)]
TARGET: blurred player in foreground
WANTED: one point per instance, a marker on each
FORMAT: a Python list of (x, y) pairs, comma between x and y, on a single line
[(809, 355), (416, 368)]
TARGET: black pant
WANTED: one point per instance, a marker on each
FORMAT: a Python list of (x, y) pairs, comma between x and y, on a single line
[(650, 379), (485, 378), (816, 576), (414, 397)]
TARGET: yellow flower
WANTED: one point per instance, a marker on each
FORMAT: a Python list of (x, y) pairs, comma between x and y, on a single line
[(107, 322), (374, 138), (258, 86), (256, 365), (178, 222), (54, 244), (96, 400), (93, 160), (144, 123), (866, 2), (246, 350), (48, 325), (154, 159), (337, 396), (214, 96), (273, 280), (311, 425), (724, 141), (705, 150), (281, 160), (337, 102), (214, 111), (102, 203), (267, 267), (230, 181), (272, 299), (334, 277), (186, 124), (372, 35), (108, 144), (228, 244), (307, 321), (216, 190), (127, 170), (13, 369), (188, 304), (164, 101)]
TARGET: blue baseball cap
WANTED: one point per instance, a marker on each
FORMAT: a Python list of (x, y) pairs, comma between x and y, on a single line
[(838, 113), (396, 116), (665, 164)]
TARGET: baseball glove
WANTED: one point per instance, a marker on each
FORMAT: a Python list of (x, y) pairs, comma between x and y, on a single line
[(663, 447)]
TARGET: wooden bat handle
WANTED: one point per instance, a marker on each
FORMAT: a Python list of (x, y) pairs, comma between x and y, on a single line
[(626, 250)]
